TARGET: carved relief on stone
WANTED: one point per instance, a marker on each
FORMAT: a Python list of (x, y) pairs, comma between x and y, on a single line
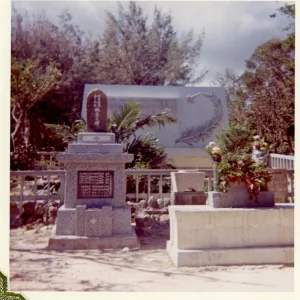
[(193, 135), (148, 106)]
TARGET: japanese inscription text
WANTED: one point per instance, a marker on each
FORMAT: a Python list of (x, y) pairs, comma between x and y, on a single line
[(95, 184)]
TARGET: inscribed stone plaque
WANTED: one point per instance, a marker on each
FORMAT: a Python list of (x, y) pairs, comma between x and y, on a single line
[(96, 111), (95, 184)]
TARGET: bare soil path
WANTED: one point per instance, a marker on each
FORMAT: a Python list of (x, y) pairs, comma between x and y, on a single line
[(34, 268)]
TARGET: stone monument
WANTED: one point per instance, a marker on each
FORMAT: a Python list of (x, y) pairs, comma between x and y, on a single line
[(187, 188), (95, 214)]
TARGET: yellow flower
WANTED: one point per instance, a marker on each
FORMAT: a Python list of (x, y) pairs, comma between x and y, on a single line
[(216, 150)]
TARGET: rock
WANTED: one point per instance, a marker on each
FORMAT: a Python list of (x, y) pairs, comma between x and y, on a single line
[(31, 219), (143, 220), (14, 212), (28, 227), (167, 202), (29, 208), (41, 183), (164, 222), (15, 220), (143, 204), (164, 211), (133, 206), (152, 202), (190, 190), (160, 203), (39, 209), (52, 213)]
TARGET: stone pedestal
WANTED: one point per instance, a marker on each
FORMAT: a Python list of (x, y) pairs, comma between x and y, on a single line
[(238, 197), (188, 188), (201, 235), (95, 214)]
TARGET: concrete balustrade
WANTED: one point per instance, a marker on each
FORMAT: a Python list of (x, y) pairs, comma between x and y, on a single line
[(279, 161)]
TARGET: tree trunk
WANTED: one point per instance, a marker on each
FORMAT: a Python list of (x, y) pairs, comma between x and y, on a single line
[(22, 148), (18, 134)]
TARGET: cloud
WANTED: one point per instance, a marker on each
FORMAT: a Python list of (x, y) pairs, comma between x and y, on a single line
[(233, 30)]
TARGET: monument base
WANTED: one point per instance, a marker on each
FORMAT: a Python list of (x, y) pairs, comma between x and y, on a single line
[(120, 241), (188, 198), (231, 256), (201, 235)]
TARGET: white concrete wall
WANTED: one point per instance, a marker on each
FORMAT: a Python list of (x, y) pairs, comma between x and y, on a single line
[(200, 235), (189, 114)]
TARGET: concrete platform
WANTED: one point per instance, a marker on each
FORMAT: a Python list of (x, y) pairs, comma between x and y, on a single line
[(231, 256), (67, 242), (202, 236)]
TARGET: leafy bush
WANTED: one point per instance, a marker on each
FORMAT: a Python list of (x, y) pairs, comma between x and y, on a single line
[(254, 175), (235, 142), (237, 165)]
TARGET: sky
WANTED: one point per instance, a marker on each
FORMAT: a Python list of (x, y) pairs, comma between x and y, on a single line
[(233, 29)]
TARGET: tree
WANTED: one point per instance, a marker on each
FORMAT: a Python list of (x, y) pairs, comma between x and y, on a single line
[(134, 53), (236, 98), (270, 83), (29, 84), (146, 149), (289, 10), (37, 39), (263, 97), (75, 53)]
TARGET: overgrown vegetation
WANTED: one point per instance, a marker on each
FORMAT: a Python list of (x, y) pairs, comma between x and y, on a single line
[(237, 165), (54, 61), (263, 97)]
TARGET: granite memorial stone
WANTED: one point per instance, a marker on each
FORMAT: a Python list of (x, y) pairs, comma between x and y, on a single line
[(95, 214), (96, 109)]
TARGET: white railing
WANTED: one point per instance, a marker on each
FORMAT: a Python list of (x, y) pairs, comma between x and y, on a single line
[(25, 190), (162, 174), (279, 161)]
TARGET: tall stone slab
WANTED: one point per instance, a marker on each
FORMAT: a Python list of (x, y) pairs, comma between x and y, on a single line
[(95, 214), (96, 109)]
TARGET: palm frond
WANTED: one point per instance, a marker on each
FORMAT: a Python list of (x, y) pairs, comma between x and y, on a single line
[(160, 119)]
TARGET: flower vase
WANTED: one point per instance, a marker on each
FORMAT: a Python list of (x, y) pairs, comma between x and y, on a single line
[(215, 176)]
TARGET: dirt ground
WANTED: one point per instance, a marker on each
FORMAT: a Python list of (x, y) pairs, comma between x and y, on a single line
[(34, 268)]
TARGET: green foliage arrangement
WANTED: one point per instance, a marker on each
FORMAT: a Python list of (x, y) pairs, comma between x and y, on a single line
[(254, 175), (235, 142), (237, 166)]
